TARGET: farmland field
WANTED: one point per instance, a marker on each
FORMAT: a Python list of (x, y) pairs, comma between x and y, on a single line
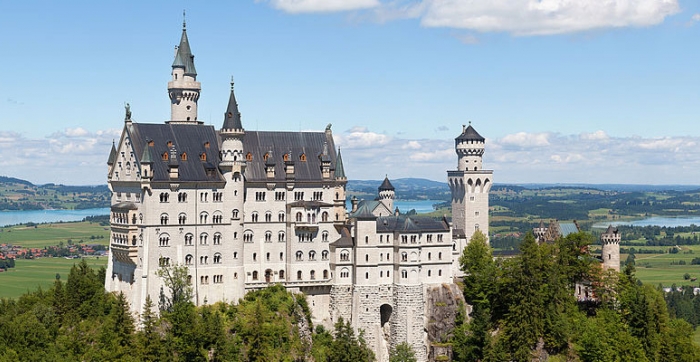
[(52, 234), (28, 274)]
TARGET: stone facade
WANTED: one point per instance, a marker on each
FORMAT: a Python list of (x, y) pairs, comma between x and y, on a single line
[(245, 209)]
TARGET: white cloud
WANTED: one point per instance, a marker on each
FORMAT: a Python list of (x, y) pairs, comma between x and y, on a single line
[(359, 137), (529, 17), (518, 17), (696, 17), (75, 132), (436, 155), (314, 6), (526, 139), (411, 145), (597, 135)]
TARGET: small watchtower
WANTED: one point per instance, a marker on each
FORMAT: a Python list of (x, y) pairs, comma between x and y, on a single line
[(610, 240)]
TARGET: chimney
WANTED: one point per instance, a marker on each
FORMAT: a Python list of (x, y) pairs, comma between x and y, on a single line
[(353, 200)]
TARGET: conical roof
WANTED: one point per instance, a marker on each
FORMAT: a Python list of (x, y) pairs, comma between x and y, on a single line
[(232, 118), (339, 170), (146, 157), (184, 57), (470, 134), (386, 185), (112, 155)]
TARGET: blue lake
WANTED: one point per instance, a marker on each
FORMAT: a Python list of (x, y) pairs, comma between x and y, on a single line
[(421, 206), (44, 216), (655, 221)]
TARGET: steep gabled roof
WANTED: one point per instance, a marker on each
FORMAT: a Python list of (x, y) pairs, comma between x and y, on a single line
[(403, 223), (194, 140)]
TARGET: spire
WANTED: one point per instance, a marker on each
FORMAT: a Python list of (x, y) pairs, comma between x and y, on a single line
[(470, 134), (112, 155), (183, 57), (146, 157), (339, 170), (386, 185), (232, 118)]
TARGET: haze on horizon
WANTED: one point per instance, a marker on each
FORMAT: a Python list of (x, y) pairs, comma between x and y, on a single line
[(564, 92)]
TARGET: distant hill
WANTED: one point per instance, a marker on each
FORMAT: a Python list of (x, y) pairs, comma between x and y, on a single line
[(406, 189), (18, 194)]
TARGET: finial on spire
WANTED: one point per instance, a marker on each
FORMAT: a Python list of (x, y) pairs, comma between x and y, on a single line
[(184, 22), (231, 82), (470, 123)]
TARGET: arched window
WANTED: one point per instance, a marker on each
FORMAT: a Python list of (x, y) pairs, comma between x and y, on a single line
[(280, 217), (182, 218), (324, 236), (217, 239), (404, 256), (325, 274), (188, 239), (324, 255), (255, 256), (313, 274), (281, 274), (255, 275), (203, 218), (254, 217), (404, 274), (248, 236), (344, 273), (183, 156), (234, 214), (188, 259), (299, 275), (300, 255), (302, 158), (203, 239), (217, 258), (312, 255), (299, 216), (268, 236), (164, 240), (164, 219), (280, 236), (324, 216), (268, 217), (344, 255)]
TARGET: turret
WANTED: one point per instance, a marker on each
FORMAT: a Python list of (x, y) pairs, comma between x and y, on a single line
[(387, 193), (183, 88), (470, 148), (232, 134), (610, 240), (147, 162)]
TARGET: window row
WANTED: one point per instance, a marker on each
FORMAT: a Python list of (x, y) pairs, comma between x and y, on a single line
[(312, 255), (248, 236), (203, 239), (254, 217), (280, 275), (217, 196), (204, 259), (217, 218)]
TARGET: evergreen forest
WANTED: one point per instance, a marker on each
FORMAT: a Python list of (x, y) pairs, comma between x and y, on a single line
[(522, 308)]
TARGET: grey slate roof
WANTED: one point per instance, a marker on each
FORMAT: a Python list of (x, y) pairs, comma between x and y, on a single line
[(610, 230), (309, 144), (184, 57), (345, 240), (404, 223), (386, 185), (232, 117), (470, 134), (364, 211), (185, 138)]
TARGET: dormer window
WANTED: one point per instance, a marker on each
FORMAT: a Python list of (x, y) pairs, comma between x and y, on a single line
[(249, 157), (302, 158), (286, 157), (151, 143), (206, 145), (165, 156), (202, 156), (170, 144), (183, 156), (266, 156)]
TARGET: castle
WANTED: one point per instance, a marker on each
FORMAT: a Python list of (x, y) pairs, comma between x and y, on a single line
[(244, 209)]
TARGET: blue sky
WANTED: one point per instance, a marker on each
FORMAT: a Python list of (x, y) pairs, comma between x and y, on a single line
[(564, 91)]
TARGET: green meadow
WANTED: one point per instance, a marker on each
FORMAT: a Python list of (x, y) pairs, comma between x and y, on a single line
[(52, 234), (28, 274), (664, 269)]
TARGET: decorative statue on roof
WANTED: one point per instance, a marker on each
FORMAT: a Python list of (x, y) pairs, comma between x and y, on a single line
[(127, 110), (328, 127)]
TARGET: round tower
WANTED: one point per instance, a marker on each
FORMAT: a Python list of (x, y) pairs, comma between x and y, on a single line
[(610, 240), (232, 168), (470, 149), (387, 194), (184, 89)]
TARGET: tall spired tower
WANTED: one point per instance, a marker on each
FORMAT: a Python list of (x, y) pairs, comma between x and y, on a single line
[(184, 89), (470, 186)]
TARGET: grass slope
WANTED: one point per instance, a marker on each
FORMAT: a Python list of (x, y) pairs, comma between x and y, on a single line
[(29, 274)]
